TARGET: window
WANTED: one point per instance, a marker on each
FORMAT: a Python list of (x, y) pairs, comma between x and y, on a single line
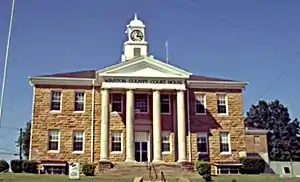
[(55, 100), (117, 102), (256, 140), (286, 170), (224, 142), (165, 141), (136, 52), (79, 101), (165, 103), (53, 140), (116, 141), (202, 144), (141, 103), (78, 141), (222, 104), (200, 104)]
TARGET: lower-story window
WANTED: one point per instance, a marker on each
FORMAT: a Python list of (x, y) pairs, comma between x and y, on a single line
[(53, 140), (78, 141), (166, 144), (116, 141)]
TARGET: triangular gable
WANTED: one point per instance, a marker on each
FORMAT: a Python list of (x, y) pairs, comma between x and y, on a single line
[(144, 66)]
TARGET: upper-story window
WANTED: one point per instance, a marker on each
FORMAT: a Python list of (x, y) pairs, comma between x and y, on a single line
[(141, 103), (55, 101), (200, 103), (117, 102), (165, 103), (79, 101), (136, 52), (222, 104), (53, 140)]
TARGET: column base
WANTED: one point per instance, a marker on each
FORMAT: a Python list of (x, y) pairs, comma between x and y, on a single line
[(104, 160), (182, 160), (130, 161), (157, 161)]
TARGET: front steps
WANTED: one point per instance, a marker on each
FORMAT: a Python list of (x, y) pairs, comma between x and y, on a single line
[(148, 171)]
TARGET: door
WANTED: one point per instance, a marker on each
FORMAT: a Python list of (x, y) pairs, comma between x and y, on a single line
[(141, 151), (141, 146)]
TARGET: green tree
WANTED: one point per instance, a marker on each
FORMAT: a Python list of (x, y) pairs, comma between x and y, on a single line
[(283, 133), (25, 140)]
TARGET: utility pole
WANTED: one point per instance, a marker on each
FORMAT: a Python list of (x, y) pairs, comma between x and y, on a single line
[(21, 144)]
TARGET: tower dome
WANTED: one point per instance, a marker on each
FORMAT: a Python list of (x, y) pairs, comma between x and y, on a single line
[(136, 22)]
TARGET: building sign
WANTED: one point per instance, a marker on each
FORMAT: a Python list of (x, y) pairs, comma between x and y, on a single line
[(142, 81), (74, 172)]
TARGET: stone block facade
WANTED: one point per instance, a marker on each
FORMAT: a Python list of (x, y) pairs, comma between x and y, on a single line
[(68, 121)]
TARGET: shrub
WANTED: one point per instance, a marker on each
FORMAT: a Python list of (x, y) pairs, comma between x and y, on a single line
[(88, 169), (252, 165), (16, 166), (4, 166), (30, 167), (207, 177), (203, 167)]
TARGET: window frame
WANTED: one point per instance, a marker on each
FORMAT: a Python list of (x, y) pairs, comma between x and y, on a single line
[(139, 112), (83, 102), (204, 103), (57, 131), (73, 141), (169, 103), (166, 134), (226, 103), (228, 142), (202, 134), (120, 102), (121, 141), (52, 101)]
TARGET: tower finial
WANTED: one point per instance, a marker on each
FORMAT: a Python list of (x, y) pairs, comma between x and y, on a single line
[(135, 16)]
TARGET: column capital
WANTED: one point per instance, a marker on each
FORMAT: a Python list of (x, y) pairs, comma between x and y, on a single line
[(156, 90)]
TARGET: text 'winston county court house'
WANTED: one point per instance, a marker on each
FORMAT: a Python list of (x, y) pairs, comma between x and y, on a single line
[(140, 110)]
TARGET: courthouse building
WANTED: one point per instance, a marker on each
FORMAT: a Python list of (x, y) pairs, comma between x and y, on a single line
[(139, 110)]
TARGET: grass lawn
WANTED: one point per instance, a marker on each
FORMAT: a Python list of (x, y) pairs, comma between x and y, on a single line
[(250, 178), (11, 177)]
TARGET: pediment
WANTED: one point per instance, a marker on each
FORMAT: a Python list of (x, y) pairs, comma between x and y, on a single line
[(144, 67)]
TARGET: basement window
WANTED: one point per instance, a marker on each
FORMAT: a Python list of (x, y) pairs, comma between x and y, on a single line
[(286, 170)]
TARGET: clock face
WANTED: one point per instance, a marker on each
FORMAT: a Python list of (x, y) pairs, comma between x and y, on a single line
[(136, 35)]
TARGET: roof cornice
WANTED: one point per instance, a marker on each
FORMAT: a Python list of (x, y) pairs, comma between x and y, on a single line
[(217, 84), (61, 81)]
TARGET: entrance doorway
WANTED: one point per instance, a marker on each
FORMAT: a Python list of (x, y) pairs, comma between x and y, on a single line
[(141, 146)]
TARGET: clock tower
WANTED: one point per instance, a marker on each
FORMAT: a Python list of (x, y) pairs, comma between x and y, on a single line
[(136, 45)]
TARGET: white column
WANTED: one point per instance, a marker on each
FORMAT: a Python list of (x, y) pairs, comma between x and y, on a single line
[(104, 125), (129, 126), (181, 126), (156, 127)]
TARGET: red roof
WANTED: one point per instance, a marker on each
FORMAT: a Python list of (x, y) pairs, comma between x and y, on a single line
[(92, 74)]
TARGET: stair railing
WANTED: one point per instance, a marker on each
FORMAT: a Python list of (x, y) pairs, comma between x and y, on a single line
[(163, 179)]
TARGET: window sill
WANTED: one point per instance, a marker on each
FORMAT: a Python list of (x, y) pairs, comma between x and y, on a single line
[(165, 113), (78, 112), (141, 112), (225, 153), (52, 151), (55, 112), (78, 152), (223, 114), (116, 152), (202, 153), (166, 153)]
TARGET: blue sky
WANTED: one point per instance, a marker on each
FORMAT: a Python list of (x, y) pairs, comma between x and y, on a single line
[(254, 41)]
